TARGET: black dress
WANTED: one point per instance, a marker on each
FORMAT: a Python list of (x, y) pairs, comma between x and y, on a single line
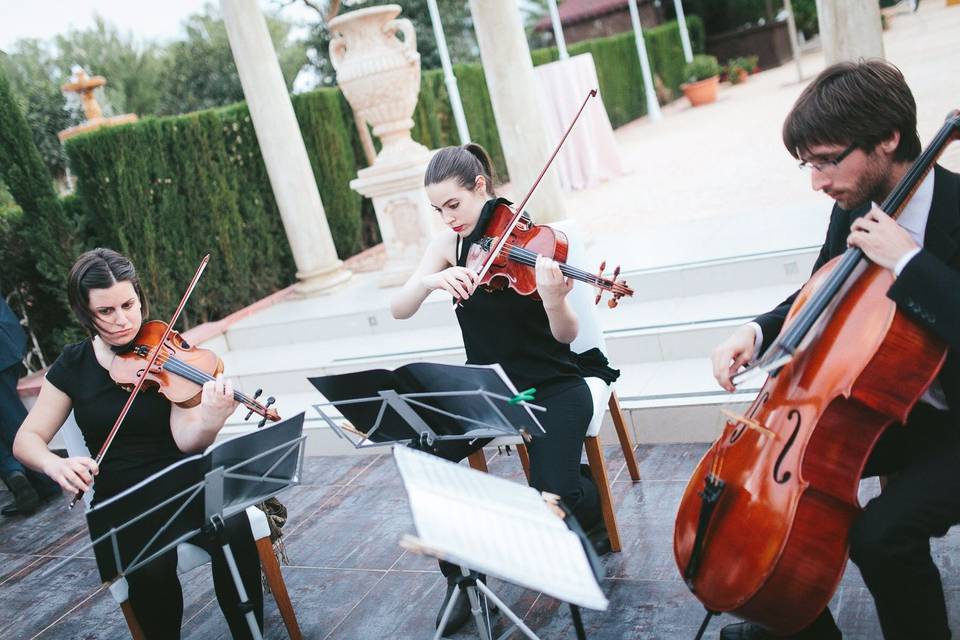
[(501, 326), (143, 446)]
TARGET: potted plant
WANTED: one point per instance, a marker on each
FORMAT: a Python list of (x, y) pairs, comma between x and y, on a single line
[(738, 69), (703, 80)]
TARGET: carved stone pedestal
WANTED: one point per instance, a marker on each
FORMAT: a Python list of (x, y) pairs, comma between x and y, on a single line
[(403, 212)]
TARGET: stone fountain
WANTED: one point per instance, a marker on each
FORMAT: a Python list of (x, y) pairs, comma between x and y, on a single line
[(83, 85)]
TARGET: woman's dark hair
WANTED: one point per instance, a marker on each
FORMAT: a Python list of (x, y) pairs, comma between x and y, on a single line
[(859, 103), (99, 269), (462, 163)]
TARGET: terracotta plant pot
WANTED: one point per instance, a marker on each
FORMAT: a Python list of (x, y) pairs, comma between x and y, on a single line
[(702, 92)]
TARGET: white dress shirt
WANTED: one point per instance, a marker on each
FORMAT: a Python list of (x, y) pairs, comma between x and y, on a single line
[(913, 219)]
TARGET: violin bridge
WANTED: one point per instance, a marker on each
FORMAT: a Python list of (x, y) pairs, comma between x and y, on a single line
[(750, 423)]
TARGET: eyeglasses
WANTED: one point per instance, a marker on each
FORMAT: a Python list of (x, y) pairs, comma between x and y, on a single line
[(828, 164)]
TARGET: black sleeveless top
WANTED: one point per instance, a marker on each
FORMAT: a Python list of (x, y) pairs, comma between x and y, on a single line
[(143, 445), (502, 326)]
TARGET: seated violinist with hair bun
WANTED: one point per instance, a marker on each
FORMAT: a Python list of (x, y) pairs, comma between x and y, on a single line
[(104, 292), (529, 337)]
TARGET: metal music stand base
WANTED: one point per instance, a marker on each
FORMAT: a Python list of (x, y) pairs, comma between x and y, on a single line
[(471, 584)]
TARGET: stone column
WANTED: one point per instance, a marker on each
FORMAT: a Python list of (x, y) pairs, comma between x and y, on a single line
[(284, 153), (850, 29), (516, 105)]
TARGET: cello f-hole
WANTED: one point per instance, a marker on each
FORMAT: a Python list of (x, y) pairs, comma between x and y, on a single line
[(786, 475)]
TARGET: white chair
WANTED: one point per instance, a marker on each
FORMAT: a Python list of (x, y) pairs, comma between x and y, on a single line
[(604, 396), (190, 556)]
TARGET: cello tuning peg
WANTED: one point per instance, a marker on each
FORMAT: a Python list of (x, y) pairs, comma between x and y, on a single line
[(603, 265), (612, 303), (599, 295), (616, 272)]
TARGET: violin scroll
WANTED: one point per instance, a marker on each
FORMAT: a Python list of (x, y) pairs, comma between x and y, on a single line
[(617, 287)]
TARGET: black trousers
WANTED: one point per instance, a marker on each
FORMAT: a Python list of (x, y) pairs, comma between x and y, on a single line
[(890, 540), (555, 457), (157, 599)]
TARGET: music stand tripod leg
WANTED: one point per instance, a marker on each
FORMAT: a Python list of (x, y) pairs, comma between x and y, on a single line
[(505, 610), (215, 529)]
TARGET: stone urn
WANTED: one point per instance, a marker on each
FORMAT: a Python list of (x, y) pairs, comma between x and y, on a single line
[(379, 74)]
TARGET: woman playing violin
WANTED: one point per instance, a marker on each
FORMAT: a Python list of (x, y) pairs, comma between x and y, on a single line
[(105, 295), (529, 337)]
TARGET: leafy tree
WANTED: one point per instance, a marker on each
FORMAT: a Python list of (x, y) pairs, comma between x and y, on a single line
[(132, 68), (200, 72)]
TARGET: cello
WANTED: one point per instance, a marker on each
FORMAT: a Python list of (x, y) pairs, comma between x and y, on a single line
[(763, 525)]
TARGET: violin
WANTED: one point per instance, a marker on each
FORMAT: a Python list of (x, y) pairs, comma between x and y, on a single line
[(164, 355), (179, 371), (507, 253), (514, 266)]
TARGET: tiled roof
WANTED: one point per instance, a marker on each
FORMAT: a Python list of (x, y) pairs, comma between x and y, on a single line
[(574, 11)]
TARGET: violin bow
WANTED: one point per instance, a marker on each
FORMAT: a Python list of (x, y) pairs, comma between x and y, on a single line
[(150, 363), (518, 211)]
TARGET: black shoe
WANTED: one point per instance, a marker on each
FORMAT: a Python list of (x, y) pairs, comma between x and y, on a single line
[(745, 631), (823, 628), (25, 498), (600, 539)]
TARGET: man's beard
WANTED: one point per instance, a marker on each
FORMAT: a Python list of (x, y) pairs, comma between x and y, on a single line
[(873, 185)]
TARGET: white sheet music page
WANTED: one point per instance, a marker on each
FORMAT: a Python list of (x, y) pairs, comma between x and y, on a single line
[(496, 527)]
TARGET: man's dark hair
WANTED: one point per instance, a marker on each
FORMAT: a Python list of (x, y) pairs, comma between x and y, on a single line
[(99, 269), (859, 103)]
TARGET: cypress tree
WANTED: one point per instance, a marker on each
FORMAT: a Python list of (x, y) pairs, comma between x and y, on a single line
[(22, 169)]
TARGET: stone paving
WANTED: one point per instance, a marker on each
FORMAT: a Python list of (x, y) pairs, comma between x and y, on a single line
[(717, 174), (349, 580)]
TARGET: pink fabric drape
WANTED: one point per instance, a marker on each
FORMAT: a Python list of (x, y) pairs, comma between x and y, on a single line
[(590, 154)]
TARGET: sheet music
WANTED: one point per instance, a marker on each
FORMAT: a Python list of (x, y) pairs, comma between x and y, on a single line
[(497, 527)]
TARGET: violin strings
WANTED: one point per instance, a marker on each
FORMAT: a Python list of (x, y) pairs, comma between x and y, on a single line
[(527, 257), (193, 374)]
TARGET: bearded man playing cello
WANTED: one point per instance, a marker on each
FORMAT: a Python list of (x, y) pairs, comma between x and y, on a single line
[(855, 129)]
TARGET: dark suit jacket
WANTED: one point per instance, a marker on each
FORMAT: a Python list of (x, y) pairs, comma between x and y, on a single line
[(13, 341), (928, 288)]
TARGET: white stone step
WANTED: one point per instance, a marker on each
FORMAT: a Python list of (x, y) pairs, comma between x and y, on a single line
[(652, 331), (671, 401), (362, 309)]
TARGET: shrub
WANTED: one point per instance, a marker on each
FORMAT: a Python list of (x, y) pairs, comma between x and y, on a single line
[(701, 68)]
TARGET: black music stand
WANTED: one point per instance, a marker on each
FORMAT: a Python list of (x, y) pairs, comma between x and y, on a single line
[(196, 495), (425, 403)]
